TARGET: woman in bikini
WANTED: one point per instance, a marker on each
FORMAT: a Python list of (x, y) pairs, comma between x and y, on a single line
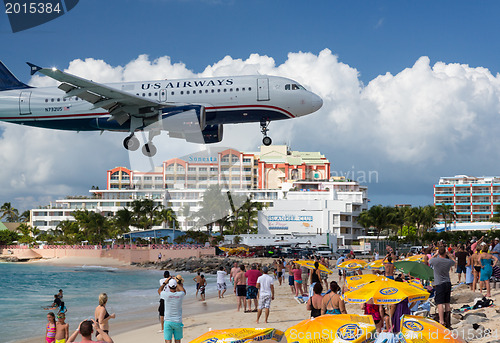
[(314, 303), (50, 330), (101, 314), (475, 260), (487, 261), (332, 302)]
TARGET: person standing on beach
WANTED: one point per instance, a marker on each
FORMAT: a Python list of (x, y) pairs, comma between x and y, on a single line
[(161, 307), (60, 294), (240, 287), (266, 293), (442, 262), (50, 330), (62, 329), (197, 279), (172, 294), (235, 270), (461, 256), (388, 267), (252, 275), (221, 282), (203, 284), (101, 314), (86, 328)]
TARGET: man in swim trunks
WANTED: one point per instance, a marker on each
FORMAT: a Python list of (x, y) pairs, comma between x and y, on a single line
[(388, 267), (173, 297), (240, 287), (221, 282), (197, 279), (233, 272), (252, 290), (86, 328), (62, 329)]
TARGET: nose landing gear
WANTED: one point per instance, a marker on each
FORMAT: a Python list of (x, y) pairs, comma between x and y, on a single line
[(264, 129)]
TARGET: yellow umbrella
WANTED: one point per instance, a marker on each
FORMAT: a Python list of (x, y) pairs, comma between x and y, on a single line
[(352, 264), (310, 264), (377, 264), (360, 280), (419, 258), (386, 291), (419, 329), (240, 335), (332, 328)]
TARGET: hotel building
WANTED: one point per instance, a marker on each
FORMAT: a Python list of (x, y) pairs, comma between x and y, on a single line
[(180, 183), (473, 198)]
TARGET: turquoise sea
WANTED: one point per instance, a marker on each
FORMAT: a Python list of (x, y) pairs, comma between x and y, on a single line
[(26, 288)]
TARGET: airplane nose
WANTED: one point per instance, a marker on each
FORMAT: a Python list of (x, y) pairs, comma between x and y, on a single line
[(316, 102)]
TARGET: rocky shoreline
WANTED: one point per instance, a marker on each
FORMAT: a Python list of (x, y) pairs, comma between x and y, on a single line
[(205, 265)]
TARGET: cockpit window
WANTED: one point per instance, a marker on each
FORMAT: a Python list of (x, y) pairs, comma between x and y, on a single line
[(293, 86)]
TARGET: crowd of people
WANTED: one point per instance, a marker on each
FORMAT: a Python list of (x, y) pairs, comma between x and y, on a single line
[(254, 287), (57, 331)]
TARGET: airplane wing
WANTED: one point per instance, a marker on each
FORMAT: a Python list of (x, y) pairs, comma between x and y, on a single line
[(120, 104)]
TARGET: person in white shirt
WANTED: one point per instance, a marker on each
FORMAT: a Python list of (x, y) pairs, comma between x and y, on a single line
[(221, 282), (173, 294), (266, 293), (161, 308)]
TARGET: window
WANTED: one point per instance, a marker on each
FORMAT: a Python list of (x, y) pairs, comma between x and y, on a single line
[(202, 169), (213, 169), (213, 90), (182, 92), (191, 169), (187, 92), (287, 87), (243, 89), (158, 178), (172, 93), (148, 178)]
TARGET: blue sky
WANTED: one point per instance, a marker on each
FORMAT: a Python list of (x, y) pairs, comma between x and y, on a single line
[(372, 38)]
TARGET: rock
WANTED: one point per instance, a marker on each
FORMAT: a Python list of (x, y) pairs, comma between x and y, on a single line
[(475, 319), (478, 314), (464, 297)]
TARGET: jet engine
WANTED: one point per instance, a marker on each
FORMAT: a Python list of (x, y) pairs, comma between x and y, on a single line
[(185, 119), (211, 134)]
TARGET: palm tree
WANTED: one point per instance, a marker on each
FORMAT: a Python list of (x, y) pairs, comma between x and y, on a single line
[(376, 217), (214, 206), (94, 226), (121, 222), (69, 231), (145, 213), (25, 216), (10, 213), (447, 213)]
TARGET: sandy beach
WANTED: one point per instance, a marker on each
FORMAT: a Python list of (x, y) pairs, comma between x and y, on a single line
[(214, 313)]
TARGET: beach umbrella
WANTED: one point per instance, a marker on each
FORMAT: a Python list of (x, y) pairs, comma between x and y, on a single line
[(310, 264), (239, 335), (352, 264), (339, 328), (416, 329), (419, 258), (360, 280), (377, 264), (415, 269), (386, 291)]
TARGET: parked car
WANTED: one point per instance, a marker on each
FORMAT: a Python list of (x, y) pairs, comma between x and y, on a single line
[(415, 249), (340, 252), (324, 252)]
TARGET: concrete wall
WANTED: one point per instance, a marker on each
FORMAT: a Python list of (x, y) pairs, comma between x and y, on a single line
[(137, 255)]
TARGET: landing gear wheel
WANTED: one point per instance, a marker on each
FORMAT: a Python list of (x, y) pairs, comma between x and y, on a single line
[(131, 143), (267, 141), (264, 129), (149, 149)]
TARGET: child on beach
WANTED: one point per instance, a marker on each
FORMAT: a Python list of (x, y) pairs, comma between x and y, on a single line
[(50, 330), (62, 329)]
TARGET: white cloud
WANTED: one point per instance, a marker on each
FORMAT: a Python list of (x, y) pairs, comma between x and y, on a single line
[(426, 121)]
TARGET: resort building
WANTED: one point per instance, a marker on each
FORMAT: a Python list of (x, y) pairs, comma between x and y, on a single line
[(180, 182), (328, 209), (473, 198)]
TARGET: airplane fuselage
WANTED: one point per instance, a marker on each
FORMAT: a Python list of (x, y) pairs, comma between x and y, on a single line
[(227, 100)]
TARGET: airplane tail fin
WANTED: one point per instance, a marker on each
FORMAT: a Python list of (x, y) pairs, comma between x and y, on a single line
[(8, 81)]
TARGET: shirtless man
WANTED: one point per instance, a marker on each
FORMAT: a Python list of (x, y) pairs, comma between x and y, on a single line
[(197, 279), (389, 267), (240, 287), (279, 269), (233, 272)]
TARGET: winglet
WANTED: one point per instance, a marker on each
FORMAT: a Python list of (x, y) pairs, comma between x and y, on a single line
[(34, 68)]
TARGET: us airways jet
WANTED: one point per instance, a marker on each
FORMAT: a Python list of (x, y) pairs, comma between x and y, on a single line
[(193, 109)]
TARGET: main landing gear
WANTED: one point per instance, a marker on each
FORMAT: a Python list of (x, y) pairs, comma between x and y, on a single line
[(132, 143), (264, 129)]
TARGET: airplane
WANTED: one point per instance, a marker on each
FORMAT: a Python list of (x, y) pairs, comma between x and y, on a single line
[(193, 109)]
